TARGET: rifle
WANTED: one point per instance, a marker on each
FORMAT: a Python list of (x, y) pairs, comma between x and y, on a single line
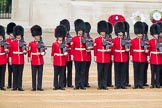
[(88, 41), (126, 42), (106, 42), (22, 44), (63, 47), (158, 45), (41, 45), (69, 38), (4, 44), (144, 42)]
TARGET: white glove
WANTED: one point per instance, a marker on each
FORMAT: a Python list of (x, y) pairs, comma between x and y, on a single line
[(65, 53), (42, 53), (146, 51)]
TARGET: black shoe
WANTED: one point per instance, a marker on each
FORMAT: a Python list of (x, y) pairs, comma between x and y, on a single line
[(62, 88), (33, 90), (87, 85), (56, 88), (76, 88), (128, 85), (123, 87), (20, 89), (40, 89), (135, 87), (3, 89), (105, 88), (83, 88), (71, 86), (158, 86), (14, 89), (8, 87), (152, 86), (99, 88), (141, 87), (146, 85)]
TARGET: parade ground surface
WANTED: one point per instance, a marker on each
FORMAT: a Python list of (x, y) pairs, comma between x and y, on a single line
[(69, 98)]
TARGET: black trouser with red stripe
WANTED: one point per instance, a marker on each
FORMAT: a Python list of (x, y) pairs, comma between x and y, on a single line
[(80, 67), (102, 70), (10, 74), (37, 74), (59, 76), (139, 68), (17, 76), (109, 76), (120, 74), (68, 76), (2, 75), (155, 74), (88, 63)]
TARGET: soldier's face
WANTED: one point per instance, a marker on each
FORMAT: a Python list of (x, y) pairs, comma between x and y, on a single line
[(160, 34), (156, 36), (18, 37), (59, 39), (37, 38), (120, 34), (1, 38), (80, 33), (139, 35), (11, 35), (103, 34)]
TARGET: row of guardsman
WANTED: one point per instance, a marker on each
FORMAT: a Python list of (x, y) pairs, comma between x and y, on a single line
[(66, 49)]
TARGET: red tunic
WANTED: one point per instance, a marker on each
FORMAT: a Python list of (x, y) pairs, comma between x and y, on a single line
[(78, 49), (119, 53), (16, 53), (137, 52), (3, 56), (59, 59), (102, 55), (34, 54), (155, 56)]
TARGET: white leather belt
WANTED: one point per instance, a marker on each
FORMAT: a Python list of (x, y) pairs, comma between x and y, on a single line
[(2, 53), (103, 50), (155, 52), (81, 49), (119, 50), (17, 52), (138, 51), (58, 54), (35, 53)]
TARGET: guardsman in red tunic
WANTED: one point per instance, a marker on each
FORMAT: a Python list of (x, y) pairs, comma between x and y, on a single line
[(78, 49), (58, 55), (121, 56), (10, 27), (18, 49), (160, 24), (127, 35), (3, 57), (155, 56), (35, 56), (139, 54), (89, 47), (102, 54), (109, 79), (68, 38), (146, 65)]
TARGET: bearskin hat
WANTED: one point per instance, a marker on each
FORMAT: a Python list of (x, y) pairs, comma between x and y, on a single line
[(87, 27), (119, 27), (60, 31), (139, 28), (79, 25), (110, 28), (126, 24), (36, 30), (10, 27), (102, 26), (2, 31), (154, 29), (160, 24), (18, 30), (66, 23), (145, 28)]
